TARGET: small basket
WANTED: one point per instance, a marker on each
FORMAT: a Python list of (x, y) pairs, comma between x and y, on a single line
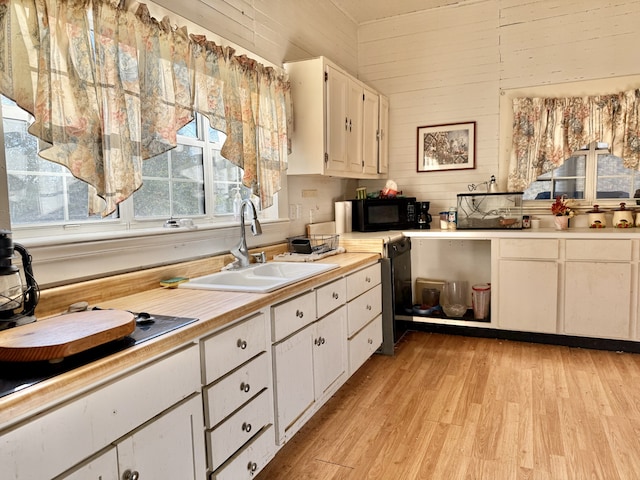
[(313, 243)]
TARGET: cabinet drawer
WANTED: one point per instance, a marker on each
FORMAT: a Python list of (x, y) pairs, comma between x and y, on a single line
[(237, 388), (329, 297), (224, 440), (363, 344), (362, 280), (293, 315), (363, 309), (542, 248), (614, 250), (250, 460), (232, 347)]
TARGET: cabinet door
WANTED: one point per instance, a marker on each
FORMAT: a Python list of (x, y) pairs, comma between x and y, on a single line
[(598, 299), (169, 447), (383, 135), (355, 107), (337, 86), (528, 295), (364, 343), (103, 467), (370, 131), (329, 350), (293, 377)]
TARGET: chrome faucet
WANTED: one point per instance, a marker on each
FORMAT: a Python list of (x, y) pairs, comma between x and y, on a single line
[(241, 252)]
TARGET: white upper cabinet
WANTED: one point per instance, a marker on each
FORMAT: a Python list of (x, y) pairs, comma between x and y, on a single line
[(383, 136), (336, 122), (370, 127)]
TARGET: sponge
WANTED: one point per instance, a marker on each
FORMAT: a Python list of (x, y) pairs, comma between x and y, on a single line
[(173, 282)]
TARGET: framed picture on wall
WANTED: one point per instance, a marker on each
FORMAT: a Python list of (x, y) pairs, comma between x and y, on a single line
[(451, 146)]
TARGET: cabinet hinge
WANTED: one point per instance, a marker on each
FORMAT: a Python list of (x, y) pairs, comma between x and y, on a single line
[(326, 157), (326, 76)]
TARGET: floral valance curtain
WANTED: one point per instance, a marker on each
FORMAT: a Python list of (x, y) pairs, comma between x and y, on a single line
[(110, 87), (546, 131)]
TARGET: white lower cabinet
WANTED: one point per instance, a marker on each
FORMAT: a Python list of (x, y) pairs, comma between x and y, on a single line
[(217, 409), (307, 365), (528, 281), (246, 463), (167, 448), (528, 295), (238, 396), (364, 343), (598, 285), (124, 419)]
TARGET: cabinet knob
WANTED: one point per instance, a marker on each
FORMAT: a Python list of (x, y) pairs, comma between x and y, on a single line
[(242, 344), (246, 427), (129, 475), (245, 387), (299, 313), (370, 341), (323, 340), (368, 307), (346, 123), (335, 295), (367, 279), (252, 467)]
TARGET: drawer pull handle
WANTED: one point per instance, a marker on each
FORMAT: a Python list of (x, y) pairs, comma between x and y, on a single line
[(335, 295), (245, 387), (252, 467), (242, 344), (299, 313), (129, 475), (246, 427)]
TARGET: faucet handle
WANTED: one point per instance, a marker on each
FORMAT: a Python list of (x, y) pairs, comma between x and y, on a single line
[(260, 257)]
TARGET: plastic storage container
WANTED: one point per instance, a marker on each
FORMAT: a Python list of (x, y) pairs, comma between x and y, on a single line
[(490, 211)]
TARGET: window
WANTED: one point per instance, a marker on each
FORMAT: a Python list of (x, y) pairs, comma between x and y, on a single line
[(191, 181), (591, 174)]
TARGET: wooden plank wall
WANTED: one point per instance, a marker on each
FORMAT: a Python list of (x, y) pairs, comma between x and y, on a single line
[(450, 65), (277, 31)]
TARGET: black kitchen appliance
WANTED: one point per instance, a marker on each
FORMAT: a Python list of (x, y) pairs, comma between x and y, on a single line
[(15, 376), (397, 296), (19, 292), (379, 214), (423, 218)]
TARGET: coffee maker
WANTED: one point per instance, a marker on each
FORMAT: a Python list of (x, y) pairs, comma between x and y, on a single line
[(423, 217)]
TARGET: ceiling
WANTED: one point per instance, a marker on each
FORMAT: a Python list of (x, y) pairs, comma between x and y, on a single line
[(362, 11)]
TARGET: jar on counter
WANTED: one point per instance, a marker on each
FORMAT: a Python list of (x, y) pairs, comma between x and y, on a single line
[(526, 221), (453, 219)]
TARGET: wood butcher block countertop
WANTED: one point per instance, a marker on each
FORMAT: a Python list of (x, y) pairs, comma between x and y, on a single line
[(214, 309)]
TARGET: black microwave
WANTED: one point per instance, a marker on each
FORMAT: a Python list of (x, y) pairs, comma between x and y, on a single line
[(378, 214)]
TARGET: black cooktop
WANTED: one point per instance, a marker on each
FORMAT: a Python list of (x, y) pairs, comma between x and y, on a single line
[(15, 376)]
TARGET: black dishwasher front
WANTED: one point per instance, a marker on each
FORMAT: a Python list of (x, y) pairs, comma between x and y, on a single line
[(397, 297)]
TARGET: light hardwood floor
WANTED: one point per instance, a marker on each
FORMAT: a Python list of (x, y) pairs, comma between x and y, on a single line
[(454, 407)]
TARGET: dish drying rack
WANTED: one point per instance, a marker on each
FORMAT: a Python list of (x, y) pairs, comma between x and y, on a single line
[(313, 243)]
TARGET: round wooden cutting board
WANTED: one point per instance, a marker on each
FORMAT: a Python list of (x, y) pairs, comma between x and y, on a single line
[(64, 335)]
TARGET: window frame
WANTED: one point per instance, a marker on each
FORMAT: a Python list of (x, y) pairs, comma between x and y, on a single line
[(127, 221)]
